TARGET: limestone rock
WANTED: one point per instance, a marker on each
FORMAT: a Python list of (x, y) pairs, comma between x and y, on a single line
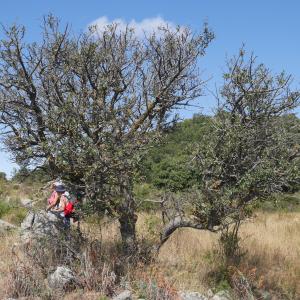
[(5, 226), (209, 294), (222, 295), (126, 295), (28, 221), (26, 202), (191, 296), (61, 279), (40, 224)]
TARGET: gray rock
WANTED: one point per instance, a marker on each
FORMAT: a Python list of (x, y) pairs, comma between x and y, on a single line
[(28, 221), (26, 202), (210, 293), (62, 279), (264, 295), (40, 224), (191, 296), (222, 295), (126, 295), (5, 226)]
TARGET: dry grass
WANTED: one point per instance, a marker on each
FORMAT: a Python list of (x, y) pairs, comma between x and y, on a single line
[(6, 257), (272, 261), (272, 244)]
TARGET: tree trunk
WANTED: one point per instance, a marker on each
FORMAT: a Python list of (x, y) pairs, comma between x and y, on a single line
[(128, 232), (127, 219)]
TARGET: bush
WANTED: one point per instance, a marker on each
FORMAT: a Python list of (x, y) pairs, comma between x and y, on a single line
[(16, 215), (227, 258), (155, 287), (281, 202), (4, 208)]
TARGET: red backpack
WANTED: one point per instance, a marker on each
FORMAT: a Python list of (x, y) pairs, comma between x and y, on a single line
[(69, 208)]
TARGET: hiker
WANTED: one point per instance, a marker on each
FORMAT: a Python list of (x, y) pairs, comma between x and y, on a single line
[(68, 209), (72, 209), (53, 196), (59, 203)]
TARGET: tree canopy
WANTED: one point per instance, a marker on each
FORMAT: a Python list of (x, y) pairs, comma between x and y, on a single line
[(86, 107), (252, 149)]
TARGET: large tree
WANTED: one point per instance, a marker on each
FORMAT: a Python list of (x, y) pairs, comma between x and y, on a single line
[(251, 150), (86, 107)]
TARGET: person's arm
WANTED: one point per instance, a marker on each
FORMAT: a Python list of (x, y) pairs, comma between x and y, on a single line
[(63, 205), (54, 202)]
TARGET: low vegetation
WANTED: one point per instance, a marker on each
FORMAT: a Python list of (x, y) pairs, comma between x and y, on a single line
[(190, 260)]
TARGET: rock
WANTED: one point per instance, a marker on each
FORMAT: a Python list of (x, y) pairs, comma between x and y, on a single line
[(62, 279), (222, 295), (26, 202), (81, 295), (126, 295), (263, 294), (210, 293), (5, 226), (41, 224), (28, 221), (191, 296)]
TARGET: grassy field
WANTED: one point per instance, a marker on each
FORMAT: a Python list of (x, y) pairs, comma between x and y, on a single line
[(189, 260), (271, 242)]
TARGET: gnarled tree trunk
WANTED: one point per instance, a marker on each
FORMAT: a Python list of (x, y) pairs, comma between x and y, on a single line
[(127, 219)]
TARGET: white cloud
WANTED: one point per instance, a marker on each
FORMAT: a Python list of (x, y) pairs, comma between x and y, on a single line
[(145, 26)]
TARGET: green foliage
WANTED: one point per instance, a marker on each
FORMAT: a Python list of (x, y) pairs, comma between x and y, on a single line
[(31, 177), (2, 176), (153, 225), (144, 193), (4, 208), (16, 215), (12, 212), (168, 166), (280, 202), (250, 152), (172, 173)]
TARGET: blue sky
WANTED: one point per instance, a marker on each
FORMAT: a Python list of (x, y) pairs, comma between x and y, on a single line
[(270, 28)]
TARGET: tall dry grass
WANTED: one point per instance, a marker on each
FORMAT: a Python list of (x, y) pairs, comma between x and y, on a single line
[(271, 242), (272, 255)]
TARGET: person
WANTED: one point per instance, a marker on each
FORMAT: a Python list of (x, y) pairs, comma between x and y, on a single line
[(72, 209), (53, 196), (58, 204)]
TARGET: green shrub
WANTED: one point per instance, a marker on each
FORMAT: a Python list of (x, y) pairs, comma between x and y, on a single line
[(16, 215), (4, 208), (281, 202), (144, 192)]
